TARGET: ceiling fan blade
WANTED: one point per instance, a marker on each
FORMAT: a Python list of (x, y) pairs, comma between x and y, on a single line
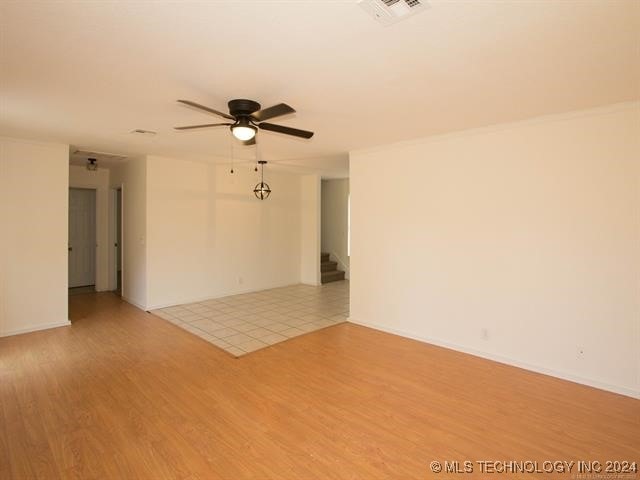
[(206, 109), (206, 125), (286, 130), (250, 142), (272, 112)]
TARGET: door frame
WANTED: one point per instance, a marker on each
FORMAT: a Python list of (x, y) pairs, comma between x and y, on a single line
[(95, 234), (113, 237)]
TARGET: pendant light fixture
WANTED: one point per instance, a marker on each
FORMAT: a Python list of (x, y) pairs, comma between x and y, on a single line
[(262, 190), (92, 164)]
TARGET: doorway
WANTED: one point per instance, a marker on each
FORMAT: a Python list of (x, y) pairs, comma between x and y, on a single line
[(118, 242), (335, 230), (82, 240)]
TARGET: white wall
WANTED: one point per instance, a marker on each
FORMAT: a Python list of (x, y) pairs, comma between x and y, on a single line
[(310, 229), (530, 231), (132, 177), (80, 177), (209, 236), (335, 205), (34, 199)]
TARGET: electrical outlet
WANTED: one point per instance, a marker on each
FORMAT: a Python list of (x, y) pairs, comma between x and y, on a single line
[(485, 334), (580, 351)]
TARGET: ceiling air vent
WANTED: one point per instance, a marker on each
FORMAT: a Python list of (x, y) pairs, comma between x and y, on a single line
[(388, 12)]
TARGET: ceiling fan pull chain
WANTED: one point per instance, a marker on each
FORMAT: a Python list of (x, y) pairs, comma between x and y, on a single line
[(231, 150)]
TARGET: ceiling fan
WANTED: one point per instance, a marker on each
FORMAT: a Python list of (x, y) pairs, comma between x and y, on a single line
[(247, 117)]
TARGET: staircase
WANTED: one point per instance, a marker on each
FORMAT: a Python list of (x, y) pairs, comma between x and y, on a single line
[(329, 269)]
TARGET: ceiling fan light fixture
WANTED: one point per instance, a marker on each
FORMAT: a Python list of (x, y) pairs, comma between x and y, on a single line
[(243, 130)]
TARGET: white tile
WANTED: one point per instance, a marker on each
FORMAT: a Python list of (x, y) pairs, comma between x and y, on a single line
[(245, 327), (257, 318), (207, 325), (235, 351), (192, 317), (188, 327), (277, 327), (311, 317), (203, 335), (175, 310), (261, 322), (226, 309), (232, 322), (308, 327), (198, 309), (273, 338), (238, 339), (224, 332), (323, 323), (174, 320), (219, 342), (223, 319), (259, 332), (249, 317), (292, 332), (295, 322), (252, 345)]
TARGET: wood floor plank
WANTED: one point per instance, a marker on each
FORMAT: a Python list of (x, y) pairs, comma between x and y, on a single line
[(122, 394)]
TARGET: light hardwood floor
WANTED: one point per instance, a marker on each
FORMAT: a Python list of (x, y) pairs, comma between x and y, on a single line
[(122, 394)]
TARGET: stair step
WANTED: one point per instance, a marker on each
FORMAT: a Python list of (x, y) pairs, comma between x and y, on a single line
[(328, 266), (333, 276), (324, 257)]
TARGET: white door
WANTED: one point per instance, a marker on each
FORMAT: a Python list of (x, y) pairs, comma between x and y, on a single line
[(82, 237)]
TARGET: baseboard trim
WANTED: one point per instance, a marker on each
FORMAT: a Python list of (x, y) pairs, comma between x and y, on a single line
[(629, 392), (46, 326)]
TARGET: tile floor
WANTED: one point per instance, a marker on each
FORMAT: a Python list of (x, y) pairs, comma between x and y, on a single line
[(241, 324)]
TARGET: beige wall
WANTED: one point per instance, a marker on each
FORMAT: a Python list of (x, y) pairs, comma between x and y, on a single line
[(209, 236), (80, 177), (310, 229), (335, 204), (519, 242), (132, 177), (34, 199)]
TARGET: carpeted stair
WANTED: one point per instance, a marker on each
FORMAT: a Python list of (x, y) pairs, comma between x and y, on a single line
[(329, 269)]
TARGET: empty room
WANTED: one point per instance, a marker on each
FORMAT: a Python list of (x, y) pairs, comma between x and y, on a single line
[(354, 239)]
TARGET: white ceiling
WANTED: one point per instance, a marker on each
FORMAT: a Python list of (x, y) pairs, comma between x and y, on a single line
[(87, 73)]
